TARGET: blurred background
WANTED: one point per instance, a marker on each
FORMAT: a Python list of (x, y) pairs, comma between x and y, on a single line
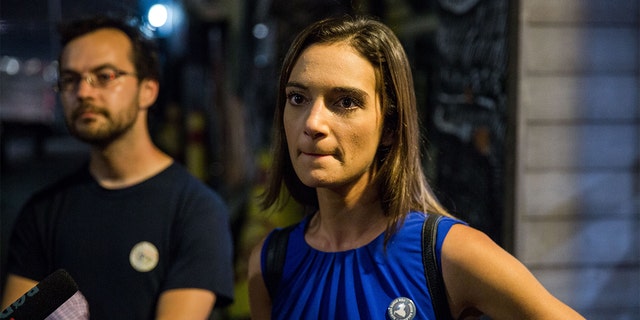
[(530, 114)]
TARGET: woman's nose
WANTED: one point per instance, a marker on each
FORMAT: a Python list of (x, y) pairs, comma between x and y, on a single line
[(317, 120)]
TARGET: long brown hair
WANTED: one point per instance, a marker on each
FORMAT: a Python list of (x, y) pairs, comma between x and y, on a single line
[(400, 179)]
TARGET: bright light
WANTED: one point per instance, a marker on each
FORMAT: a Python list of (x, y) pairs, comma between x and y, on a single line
[(10, 65), (260, 31), (158, 15)]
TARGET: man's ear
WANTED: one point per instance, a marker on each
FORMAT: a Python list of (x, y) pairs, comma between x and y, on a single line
[(149, 90)]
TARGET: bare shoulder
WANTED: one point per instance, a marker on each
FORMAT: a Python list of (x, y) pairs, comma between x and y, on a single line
[(259, 300), (480, 275), (255, 260), (464, 245)]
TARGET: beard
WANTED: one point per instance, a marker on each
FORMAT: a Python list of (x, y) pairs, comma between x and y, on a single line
[(104, 132)]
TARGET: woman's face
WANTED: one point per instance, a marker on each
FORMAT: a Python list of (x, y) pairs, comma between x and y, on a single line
[(332, 118)]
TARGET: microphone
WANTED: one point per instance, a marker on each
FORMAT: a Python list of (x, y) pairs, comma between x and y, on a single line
[(43, 299)]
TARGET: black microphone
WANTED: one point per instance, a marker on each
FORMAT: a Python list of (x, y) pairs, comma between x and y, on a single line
[(43, 299)]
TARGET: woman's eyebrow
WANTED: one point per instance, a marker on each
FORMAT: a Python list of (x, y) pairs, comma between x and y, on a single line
[(294, 84), (343, 90), (351, 91)]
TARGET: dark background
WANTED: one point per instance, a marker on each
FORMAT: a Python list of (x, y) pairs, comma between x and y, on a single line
[(218, 91)]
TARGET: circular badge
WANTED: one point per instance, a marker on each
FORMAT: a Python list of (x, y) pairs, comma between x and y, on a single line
[(144, 256), (401, 309)]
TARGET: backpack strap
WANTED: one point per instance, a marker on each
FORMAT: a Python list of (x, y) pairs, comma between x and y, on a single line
[(431, 268), (276, 254)]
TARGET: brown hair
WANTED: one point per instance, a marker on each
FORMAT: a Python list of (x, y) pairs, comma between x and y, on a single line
[(400, 178)]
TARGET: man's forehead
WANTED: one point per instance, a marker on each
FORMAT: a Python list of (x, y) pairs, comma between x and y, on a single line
[(103, 46)]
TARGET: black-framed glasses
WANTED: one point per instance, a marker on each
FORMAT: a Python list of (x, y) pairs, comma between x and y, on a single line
[(101, 78)]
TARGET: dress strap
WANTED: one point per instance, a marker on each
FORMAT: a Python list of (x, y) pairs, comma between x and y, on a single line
[(432, 271), (276, 254)]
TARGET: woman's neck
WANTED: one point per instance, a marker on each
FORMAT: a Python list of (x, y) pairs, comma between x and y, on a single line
[(343, 223)]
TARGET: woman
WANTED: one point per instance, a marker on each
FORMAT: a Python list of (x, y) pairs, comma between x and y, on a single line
[(347, 148)]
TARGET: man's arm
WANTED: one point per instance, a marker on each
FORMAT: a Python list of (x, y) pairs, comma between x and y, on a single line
[(188, 303), (15, 287)]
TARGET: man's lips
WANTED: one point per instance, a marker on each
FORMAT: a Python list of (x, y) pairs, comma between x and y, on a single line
[(88, 113), (86, 116), (85, 113)]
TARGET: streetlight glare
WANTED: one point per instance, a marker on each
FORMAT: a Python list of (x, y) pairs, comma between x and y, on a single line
[(158, 15)]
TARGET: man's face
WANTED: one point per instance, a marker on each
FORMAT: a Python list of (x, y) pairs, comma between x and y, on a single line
[(99, 89)]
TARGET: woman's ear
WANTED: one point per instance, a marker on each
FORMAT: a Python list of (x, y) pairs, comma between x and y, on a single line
[(148, 94), (388, 132), (387, 137)]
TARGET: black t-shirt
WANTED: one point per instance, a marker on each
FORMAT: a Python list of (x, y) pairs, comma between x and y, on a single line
[(124, 247)]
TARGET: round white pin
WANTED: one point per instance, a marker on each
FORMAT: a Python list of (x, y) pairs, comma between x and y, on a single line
[(401, 309), (144, 256)]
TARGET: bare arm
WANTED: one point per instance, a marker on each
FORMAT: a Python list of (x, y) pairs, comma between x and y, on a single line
[(173, 304), (185, 304), (480, 275), (15, 287), (259, 300)]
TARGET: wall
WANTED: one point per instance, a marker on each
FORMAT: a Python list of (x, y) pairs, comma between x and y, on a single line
[(577, 166)]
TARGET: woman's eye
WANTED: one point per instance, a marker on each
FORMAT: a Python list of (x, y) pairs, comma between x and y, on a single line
[(348, 102), (295, 99)]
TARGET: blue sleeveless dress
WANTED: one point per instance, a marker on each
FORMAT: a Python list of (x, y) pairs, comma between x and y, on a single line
[(360, 283)]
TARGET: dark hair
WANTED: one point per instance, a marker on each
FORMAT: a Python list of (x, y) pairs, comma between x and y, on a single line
[(144, 50), (400, 177)]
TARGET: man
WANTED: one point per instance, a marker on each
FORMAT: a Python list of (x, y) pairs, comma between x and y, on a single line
[(142, 238)]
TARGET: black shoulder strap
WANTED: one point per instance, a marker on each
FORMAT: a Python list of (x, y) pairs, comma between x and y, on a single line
[(276, 254), (431, 270)]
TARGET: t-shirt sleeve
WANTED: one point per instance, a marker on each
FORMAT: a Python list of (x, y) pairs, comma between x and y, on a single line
[(202, 255), (27, 245)]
